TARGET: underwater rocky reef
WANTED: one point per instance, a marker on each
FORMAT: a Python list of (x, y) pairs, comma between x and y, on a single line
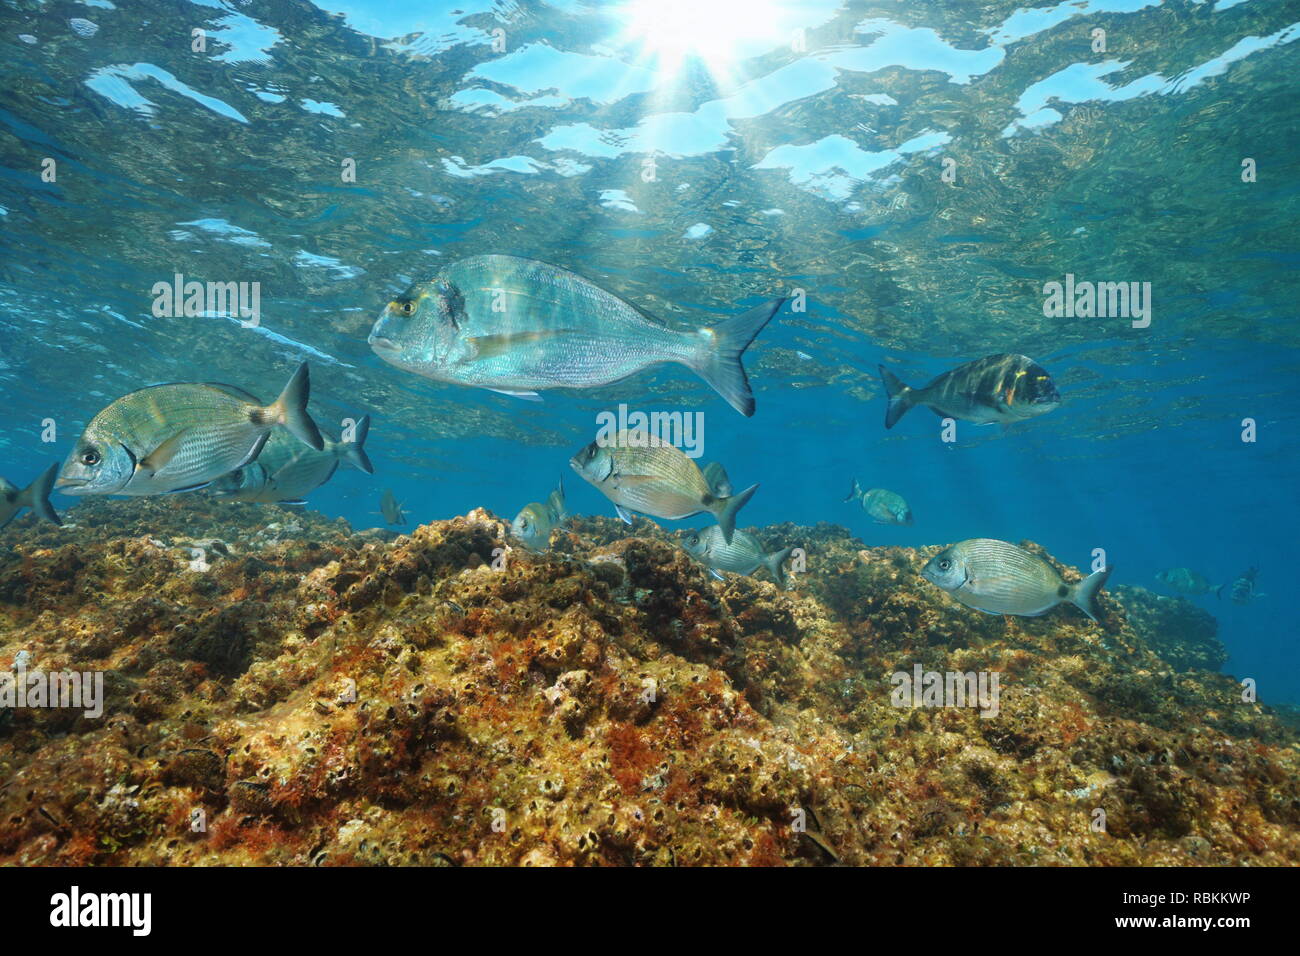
[(282, 689)]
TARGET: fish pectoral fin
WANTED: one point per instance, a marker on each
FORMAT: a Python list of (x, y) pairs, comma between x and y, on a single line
[(198, 487), (153, 462), (624, 514), (623, 479), (526, 396)]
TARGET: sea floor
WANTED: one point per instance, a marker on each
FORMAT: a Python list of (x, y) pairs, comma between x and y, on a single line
[(279, 688)]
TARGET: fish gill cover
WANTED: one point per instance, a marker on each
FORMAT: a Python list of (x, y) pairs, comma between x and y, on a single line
[(471, 247)]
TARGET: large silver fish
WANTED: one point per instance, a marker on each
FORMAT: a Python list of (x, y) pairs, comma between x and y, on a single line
[(641, 473), (535, 522), (744, 555), (884, 506), (998, 389), (517, 325), (999, 578), (287, 470), (180, 437), (35, 496)]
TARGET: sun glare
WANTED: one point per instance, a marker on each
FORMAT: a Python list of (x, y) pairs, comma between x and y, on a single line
[(719, 33)]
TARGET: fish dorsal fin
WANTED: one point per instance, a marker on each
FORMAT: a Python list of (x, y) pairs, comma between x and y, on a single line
[(235, 392), (160, 456)]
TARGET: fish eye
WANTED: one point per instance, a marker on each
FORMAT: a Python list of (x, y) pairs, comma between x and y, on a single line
[(90, 457), (402, 307), (945, 565)]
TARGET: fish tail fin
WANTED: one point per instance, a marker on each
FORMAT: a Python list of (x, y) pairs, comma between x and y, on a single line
[(726, 508), (900, 396), (354, 451), (290, 410), (718, 362), (37, 495), (1218, 592), (557, 496), (775, 564), (1084, 595), (855, 491)]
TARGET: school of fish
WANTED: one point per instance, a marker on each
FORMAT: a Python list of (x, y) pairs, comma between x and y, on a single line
[(520, 327)]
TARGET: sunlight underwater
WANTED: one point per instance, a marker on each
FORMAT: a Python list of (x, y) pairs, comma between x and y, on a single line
[(922, 383)]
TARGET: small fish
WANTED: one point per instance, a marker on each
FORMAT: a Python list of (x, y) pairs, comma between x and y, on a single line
[(884, 507), (1242, 590), (391, 508), (998, 389), (516, 325), (641, 473), (744, 555), (1185, 581), (181, 437), (534, 524), (35, 496), (999, 578), (287, 470), (717, 478)]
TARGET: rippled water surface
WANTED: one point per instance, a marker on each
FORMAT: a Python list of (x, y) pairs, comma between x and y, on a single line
[(918, 170)]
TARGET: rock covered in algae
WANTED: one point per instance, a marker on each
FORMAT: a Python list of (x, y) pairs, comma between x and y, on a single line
[(1175, 628), (279, 689)]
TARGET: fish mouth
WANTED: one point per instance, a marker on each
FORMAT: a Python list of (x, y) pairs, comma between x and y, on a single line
[(381, 344), (63, 484)]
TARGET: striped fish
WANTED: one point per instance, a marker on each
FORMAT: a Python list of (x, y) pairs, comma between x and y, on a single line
[(998, 389), (643, 474), (180, 437), (999, 578)]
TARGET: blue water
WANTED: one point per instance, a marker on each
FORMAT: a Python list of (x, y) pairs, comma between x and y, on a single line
[(794, 146)]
